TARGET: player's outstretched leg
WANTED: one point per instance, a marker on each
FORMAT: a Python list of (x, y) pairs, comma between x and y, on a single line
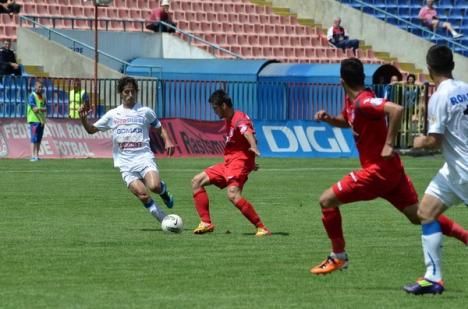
[(338, 259), (432, 244), (249, 212), (155, 210), (452, 229), (166, 196), (202, 205)]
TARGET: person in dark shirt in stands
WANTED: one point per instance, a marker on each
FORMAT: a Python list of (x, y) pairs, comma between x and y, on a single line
[(159, 14), (8, 65), (338, 37), (9, 7)]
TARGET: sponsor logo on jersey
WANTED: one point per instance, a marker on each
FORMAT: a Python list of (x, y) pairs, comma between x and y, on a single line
[(243, 128), (129, 130), (129, 120), (129, 145), (458, 99), (374, 101)]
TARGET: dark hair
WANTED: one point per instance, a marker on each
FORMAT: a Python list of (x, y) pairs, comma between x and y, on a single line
[(440, 59), (13, 8), (124, 81), (411, 75), (219, 97), (352, 72)]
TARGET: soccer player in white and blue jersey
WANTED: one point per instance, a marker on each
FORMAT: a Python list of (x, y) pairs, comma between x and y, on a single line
[(448, 130), (130, 123)]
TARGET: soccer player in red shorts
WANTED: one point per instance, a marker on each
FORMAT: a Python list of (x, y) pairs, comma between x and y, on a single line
[(239, 160), (382, 173)]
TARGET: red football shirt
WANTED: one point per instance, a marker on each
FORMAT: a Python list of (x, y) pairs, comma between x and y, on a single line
[(367, 119), (237, 145)]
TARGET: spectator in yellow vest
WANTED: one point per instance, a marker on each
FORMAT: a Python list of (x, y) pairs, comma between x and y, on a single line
[(76, 98), (36, 117)]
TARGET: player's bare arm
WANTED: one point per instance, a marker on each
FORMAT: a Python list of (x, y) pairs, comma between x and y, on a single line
[(84, 112), (253, 143), (394, 113), (169, 145), (336, 121), (433, 141)]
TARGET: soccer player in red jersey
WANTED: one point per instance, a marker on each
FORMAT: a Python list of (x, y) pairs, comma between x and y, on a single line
[(382, 173), (239, 160)]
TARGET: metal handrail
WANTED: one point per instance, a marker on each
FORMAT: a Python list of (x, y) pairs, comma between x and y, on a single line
[(408, 23), (199, 39), (124, 63)]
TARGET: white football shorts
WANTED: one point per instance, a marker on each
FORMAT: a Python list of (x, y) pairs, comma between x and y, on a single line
[(138, 171), (447, 188)]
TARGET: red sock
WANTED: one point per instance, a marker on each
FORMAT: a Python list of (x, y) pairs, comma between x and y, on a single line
[(249, 212), (202, 204), (331, 218), (452, 229)]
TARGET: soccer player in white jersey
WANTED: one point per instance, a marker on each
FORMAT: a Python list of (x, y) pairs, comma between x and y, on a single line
[(131, 150), (448, 130)]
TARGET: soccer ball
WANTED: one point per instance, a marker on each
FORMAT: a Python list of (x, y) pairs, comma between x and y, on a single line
[(172, 223)]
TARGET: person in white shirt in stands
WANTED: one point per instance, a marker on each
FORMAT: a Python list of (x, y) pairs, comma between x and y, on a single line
[(448, 130), (130, 123), (338, 37)]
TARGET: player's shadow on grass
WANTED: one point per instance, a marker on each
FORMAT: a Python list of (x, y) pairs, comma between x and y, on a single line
[(272, 234), (157, 230)]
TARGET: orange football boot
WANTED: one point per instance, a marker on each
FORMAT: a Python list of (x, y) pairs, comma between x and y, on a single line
[(330, 265)]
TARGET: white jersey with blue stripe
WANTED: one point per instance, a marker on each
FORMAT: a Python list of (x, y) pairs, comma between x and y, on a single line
[(448, 115), (130, 134)]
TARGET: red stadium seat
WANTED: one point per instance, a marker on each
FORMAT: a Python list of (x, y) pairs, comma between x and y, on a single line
[(259, 28), (275, 40), (29, 9), (243, 40), (253, 40), (220, 39), (78, 11), (246, 51), (231, 39), (209, 7), (228, 28)]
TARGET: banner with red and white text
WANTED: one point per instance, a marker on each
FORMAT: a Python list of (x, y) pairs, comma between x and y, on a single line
[(65, 138)]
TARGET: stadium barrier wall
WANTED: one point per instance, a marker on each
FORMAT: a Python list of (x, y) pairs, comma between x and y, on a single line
[(66, 138), (274, 101)]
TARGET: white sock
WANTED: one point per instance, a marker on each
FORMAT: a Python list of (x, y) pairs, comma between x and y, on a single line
[(432, 244), (156, 211), (341, 255)]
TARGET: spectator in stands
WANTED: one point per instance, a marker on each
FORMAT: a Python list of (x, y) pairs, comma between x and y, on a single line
[(159, 14), (428, 17), (36, 118), (391, 90), (338, 37), (76, 98), (8, 65), (411, 91), (9, 7)]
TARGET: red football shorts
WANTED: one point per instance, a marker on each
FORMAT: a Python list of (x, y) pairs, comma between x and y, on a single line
[(365, 185), (233, 174)]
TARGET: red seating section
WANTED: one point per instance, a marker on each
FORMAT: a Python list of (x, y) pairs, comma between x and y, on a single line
[(253, 31)]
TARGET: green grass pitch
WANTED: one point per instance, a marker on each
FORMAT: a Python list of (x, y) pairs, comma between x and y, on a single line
[(72, 236)]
